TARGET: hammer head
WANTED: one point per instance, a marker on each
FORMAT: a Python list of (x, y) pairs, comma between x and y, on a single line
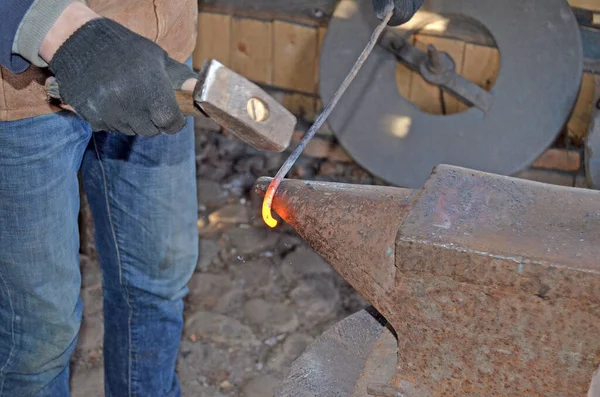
[(243, 108)]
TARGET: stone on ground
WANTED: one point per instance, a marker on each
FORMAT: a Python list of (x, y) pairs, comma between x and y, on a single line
[(88, 382), (269, 315), (210, 194), (219, 329), (248, 241), (230, 214), (286, 354), (261, 386), (254, 275), (317, 298), (208, 250), (206, 289), (304, 262)]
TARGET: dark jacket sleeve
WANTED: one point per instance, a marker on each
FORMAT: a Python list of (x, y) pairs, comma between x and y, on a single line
[(11, 15)]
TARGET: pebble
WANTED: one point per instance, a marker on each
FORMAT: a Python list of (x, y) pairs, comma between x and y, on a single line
[(203, 124), (220, 329), (91, 333), (316, 299), (275, 340), (254, 275), (254, 164), (292, 348), (269, 315), (225, 385), (208, 250), (239, 185), (231, 302), (304, 262), (337, 153), (216, 171), (213, 364), (88, 382), (251, 240), (90, 271), (210, 194), (205, 289), (197, 389), (261, 386), (230, 214)]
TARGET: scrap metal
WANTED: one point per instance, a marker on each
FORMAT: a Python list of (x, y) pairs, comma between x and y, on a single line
[(438, 68), (490, 283)]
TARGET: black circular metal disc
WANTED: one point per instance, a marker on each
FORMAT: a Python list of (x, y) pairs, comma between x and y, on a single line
[(538, 82)]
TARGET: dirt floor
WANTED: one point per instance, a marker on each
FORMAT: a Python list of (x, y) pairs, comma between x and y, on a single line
[(258, 296)]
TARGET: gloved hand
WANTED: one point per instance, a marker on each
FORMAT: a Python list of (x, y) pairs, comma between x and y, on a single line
[(403, 10), (119, 81)]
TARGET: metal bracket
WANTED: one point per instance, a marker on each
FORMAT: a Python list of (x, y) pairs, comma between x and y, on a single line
[(438, 68)]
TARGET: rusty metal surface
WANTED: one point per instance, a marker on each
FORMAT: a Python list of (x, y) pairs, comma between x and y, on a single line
[(493, 285), (335, 362), (225, 96), (498, 287), (353, 227)]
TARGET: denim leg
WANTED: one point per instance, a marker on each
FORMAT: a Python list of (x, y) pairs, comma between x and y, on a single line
[(40, 308), (142, 193)]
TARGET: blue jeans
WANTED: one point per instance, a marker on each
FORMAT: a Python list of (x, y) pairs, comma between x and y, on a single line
[(142, 192)]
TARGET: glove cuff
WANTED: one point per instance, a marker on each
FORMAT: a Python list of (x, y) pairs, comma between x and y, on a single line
[(76, 58), (94, 37)]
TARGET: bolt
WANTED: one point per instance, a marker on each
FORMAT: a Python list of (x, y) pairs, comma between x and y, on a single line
[(434, 60), (318, 13), (257, 110)]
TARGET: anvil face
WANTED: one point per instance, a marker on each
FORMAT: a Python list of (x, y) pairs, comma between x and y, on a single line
[(491, 283)]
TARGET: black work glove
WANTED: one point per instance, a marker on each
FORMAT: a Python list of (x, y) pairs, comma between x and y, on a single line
[(403, 10), (119, 81)]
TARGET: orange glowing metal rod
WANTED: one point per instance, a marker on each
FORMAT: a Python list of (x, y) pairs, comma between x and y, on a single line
[(285, 168)]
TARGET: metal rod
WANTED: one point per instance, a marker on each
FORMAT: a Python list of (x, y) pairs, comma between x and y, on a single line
[(285, 168)]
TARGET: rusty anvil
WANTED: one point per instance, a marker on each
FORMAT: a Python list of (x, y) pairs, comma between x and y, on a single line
[(234, 102), (491, 283)]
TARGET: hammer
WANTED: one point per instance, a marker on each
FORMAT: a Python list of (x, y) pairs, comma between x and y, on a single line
[(234, 102)]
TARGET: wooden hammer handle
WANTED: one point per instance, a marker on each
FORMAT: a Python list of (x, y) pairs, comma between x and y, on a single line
[(186, 102), (185, 99)]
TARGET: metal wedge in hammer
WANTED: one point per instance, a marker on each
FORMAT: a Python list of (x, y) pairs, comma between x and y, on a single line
[(234, 102)]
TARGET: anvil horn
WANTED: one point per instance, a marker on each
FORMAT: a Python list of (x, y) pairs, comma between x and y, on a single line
[(353, 227)]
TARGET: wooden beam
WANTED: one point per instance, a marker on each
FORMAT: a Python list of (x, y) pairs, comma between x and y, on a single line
[(252, 49), (309, 11), (214, 37), (294, 56)]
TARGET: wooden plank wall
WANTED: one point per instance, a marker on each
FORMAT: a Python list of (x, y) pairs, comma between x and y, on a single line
[(279, 54), (283, 53)]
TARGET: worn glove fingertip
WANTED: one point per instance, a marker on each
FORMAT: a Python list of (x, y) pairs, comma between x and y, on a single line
[(169, 121), (178, 73), (381, 6)]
